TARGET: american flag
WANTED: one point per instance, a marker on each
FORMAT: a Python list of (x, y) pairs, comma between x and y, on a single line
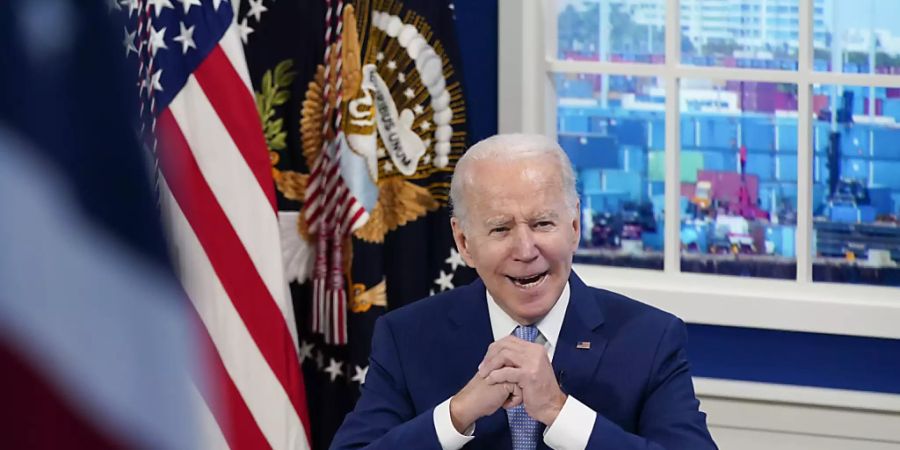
[(218, 203)]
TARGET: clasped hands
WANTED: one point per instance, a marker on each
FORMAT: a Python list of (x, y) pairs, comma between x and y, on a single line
[(512, 372)]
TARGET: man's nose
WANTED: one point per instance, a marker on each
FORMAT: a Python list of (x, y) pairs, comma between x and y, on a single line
[(525, 248)]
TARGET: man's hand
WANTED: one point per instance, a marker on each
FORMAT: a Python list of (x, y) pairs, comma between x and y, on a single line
[(513, 360), (478, 399)]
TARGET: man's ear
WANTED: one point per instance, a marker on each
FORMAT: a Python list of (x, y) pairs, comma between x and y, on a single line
[(576, 225), (462, 244)]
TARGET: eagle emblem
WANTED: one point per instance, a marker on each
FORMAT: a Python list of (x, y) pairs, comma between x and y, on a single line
[(386, 79)]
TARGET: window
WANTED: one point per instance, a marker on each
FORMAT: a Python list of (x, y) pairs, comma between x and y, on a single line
[(724, 162)]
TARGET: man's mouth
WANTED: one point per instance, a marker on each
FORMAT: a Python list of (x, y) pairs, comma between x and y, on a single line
[(529, 281)]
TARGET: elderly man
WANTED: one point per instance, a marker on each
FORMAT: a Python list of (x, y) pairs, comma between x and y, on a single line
[(528, 356)]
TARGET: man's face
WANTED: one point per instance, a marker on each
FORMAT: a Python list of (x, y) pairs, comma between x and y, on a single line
[(520, 235)]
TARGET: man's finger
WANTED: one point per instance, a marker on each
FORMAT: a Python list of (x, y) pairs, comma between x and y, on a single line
[(511, 352), (505, 357), (515, 396), (512, 402), (504, 375), (508, 343)]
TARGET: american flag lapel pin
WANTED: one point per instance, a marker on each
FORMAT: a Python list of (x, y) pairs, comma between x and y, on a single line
[(583, 345)]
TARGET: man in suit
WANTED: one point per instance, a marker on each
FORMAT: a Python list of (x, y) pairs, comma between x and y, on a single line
[(528, 356)]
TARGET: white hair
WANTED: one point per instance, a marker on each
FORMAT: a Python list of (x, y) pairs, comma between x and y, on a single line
[(509, 147)]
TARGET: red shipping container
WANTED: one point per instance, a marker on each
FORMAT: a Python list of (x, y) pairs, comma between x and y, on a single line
[(820, 102)]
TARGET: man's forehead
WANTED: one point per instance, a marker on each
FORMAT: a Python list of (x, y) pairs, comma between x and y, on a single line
[(486, 175)]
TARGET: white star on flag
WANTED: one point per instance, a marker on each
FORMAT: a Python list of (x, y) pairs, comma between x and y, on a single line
[(186, 37), (360, 376), (391, 65), (245, 30), (133, 6), (445, 281), (154, 81), (388, 167), (334, 369), (256, 9), (455, 260), (401, 77), (379, 57), (380, 153), (306, 351), (159, 5), (157, 39), (418, 109), (425, 126), (426, 159), (128, 42), (409, 93), (188, 3)]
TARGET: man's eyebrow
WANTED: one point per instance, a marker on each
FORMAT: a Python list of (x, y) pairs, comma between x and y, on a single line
[(495, 221), (548, 214)]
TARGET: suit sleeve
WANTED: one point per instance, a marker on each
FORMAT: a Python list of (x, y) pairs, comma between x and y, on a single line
[(670, 417), (384, 416)]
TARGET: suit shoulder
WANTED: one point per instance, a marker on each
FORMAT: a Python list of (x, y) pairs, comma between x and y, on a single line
[(426, 309)]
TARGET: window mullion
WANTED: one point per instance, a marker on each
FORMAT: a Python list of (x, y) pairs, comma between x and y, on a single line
[(804, 143), (672, 241)]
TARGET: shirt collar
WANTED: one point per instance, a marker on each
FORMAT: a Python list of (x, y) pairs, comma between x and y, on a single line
[(502, 325)]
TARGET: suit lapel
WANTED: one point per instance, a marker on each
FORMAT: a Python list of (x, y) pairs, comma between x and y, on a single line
[(470, 329), (580, 345)]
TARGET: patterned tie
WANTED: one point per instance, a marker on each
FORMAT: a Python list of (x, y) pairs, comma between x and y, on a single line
[(524, 429)]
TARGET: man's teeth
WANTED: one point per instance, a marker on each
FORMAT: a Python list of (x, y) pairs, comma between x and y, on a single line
[(528, 281)]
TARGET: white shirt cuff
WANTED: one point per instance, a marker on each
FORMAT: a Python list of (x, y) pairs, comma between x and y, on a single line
[(572, 427), (449, 438)]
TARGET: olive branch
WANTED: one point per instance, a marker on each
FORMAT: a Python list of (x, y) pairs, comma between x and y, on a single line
[(274, 93)]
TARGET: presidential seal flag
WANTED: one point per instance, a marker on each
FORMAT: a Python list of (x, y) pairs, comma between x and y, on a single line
[(364, 117), (217, 197)]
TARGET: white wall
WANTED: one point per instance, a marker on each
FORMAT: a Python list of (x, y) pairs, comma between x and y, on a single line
[(743, 415)]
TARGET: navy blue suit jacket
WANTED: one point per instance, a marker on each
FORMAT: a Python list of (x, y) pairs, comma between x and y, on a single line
[(634, 375)]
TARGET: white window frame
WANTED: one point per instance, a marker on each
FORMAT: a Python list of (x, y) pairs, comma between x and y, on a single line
[(527, 103)]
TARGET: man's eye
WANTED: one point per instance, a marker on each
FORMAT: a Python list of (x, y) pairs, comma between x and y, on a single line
[(496, 230), (544, 224)]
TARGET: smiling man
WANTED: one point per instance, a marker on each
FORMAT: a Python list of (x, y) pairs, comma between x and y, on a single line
[(528, 356)]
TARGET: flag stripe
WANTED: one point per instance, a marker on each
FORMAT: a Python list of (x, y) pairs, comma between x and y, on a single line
[(224, 400), (213, 438), (250, 381), (236, 109), (234, 50), (230, 261), (34, 402), (235, 189)]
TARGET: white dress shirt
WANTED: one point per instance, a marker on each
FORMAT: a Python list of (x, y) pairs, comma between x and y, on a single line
[(572, 427)]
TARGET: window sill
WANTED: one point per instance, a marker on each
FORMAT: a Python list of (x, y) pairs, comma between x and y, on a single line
[(853, 310)]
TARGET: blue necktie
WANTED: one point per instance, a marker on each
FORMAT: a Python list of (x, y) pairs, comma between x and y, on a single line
[(524, 429)]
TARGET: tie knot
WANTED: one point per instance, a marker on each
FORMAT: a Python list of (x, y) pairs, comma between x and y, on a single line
[(526, 332)]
